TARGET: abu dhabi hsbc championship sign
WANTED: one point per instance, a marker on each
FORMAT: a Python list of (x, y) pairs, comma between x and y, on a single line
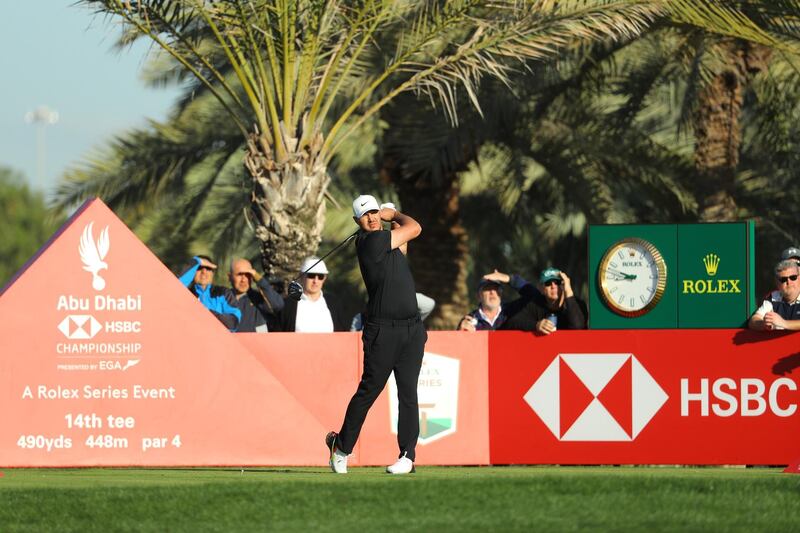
[(107, 359), (595, 397)]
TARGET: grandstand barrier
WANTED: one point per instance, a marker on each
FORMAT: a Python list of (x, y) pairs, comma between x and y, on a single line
[(132, 371)]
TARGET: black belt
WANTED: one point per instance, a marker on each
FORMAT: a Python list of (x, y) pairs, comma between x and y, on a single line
[(394, 321)]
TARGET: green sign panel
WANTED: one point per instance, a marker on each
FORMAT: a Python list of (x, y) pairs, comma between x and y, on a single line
[(713, 269), (671, 275)]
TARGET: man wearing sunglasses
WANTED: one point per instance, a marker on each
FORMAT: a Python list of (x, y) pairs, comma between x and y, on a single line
[(545, 309), (315, 312), (781, 310), (198, 278)]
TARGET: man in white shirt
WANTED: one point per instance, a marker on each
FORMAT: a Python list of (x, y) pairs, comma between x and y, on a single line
[(781, 310), (315, 312)]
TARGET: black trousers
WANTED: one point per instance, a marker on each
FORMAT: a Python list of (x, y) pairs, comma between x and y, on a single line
[(388, 346)]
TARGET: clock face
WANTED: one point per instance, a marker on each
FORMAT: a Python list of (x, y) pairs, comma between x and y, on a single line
[(632, 277)]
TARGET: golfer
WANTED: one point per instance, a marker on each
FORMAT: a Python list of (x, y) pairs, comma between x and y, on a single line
[(393, 337)]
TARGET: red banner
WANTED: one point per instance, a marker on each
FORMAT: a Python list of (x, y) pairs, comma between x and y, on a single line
[(647, 397), (323, 370), (106, 359)]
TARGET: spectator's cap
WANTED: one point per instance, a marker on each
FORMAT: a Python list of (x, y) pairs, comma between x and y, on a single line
[(364, 204), (319, 268), (550, 274), (790, 253), (483, 283)]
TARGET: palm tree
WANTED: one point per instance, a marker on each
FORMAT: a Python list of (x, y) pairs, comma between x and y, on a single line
[(735, 42), (615, 139), (297, 78), (594, 158)]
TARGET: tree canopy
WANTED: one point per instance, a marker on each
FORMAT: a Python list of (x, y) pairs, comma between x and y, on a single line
[(25, 223)]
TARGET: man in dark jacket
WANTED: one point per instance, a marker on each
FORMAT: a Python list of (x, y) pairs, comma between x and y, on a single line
[(491, 313), (545, 309), (258, 305), (315, 312), (197, 277)]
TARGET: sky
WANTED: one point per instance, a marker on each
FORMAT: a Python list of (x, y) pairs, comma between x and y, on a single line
[(59, 55)]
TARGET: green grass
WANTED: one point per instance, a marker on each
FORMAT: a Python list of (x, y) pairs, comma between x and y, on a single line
[(434, 499)]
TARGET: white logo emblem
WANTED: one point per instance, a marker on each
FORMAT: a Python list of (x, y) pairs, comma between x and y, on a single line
[(92, 254), (595, 397), (79, 327), (437, 394)]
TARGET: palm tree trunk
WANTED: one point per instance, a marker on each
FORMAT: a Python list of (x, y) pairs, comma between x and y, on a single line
[(439, 257), (286, 204), (718, 131)]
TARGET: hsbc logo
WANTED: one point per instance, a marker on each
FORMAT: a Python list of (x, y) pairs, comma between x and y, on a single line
[(595, 397), (79, 327)]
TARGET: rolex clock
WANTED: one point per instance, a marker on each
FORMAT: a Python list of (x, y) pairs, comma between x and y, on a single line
[(631, 277)]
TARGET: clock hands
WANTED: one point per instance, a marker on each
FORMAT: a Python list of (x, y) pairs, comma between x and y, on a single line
[(621, 275)]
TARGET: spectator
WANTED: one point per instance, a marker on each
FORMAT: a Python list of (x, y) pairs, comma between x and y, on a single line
[(489, 314), (792, 253), (315, 312), (197, 278), (259, 305), (781, 310), (553, 306)]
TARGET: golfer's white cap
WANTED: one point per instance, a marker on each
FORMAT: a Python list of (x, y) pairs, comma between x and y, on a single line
[(319, 268), (363, 204)]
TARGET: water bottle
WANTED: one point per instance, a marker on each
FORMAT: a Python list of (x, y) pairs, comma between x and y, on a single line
[(552, 317)]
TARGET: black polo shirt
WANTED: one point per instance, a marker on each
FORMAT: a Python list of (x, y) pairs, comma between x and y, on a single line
[(390, 285)]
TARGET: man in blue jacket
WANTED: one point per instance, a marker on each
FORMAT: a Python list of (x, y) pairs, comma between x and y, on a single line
[(197, 278)]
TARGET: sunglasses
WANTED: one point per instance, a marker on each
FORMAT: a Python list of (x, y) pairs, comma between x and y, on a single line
[(552, 282), (206, 268), (316, 276), (784, 279)]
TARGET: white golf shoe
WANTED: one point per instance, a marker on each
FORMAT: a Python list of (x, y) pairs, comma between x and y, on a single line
[(338, 460), (404, 465)]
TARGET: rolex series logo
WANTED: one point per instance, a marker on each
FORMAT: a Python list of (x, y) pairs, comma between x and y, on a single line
[(711, 286), (711, 261)]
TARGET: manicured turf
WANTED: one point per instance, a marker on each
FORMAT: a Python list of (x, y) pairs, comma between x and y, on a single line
[(434, 499)]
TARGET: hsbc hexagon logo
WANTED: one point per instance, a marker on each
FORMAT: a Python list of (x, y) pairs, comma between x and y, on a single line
[(79, 327), (596, 397)]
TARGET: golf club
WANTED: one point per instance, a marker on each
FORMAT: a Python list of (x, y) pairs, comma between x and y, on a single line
[(295, 290)]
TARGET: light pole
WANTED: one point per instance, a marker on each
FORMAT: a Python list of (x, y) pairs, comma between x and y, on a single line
[(41, 117)]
